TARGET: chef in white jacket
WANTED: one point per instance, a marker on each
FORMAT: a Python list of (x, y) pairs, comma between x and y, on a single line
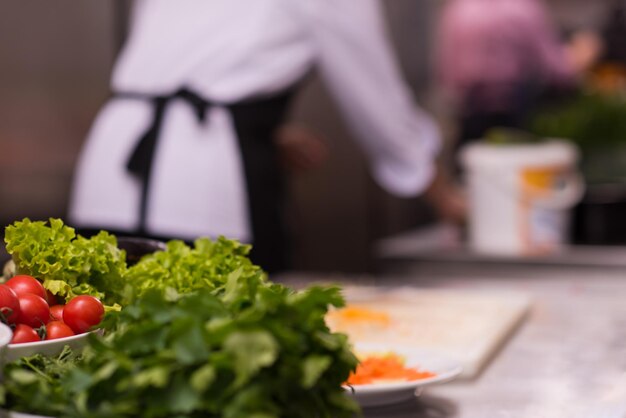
[(184, 146)]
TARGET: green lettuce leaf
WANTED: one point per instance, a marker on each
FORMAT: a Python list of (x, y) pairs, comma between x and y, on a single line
[(68, 264), (221, 265)]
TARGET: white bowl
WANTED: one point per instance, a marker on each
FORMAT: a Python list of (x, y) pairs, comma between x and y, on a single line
[(376, 394), (5, 335), (47, 348), (5, 338), (20, 415)]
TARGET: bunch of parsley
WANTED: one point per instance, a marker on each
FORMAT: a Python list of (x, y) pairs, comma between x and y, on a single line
[(205, 335)]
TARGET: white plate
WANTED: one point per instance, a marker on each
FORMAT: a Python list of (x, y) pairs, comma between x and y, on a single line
[(376, 394), (5, 335), (47, 348), (20, 415), (5, 338)]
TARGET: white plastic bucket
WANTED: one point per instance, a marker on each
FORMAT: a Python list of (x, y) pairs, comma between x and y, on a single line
[(521, 196)]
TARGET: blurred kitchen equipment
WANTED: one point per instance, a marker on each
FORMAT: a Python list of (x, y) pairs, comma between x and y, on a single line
[(599, 218), (521, 196)]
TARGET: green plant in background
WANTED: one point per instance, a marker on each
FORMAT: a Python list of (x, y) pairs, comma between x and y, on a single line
[(510, 136), (591, 120), (597, 124)]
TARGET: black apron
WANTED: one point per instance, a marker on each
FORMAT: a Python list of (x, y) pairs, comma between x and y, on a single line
[(255, 122)]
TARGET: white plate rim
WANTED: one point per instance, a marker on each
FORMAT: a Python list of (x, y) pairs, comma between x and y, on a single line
[(45, 343), (413, 355), (5, 335), (21, 415)]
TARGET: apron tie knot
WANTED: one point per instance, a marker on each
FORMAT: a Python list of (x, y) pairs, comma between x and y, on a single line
[(141, 159)]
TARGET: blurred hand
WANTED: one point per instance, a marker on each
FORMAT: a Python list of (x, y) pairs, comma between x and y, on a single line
[(447, 199), (584, 50), (300, 148)]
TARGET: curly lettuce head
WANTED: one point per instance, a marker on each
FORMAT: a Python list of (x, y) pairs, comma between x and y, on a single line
[(68, 264)]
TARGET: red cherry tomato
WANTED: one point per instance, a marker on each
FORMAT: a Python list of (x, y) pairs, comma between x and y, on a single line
[(57, 329), (24, 334), (9, 304), (82, 313), (56, 313), (34, 310), (51, 298), (26, 284)]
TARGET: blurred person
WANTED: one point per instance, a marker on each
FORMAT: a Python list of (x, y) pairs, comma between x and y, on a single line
[(614, 34), (609, 75), (192, 140), (496, 60)]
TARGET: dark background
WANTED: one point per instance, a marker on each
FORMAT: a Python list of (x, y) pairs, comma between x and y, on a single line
[(55, 62)]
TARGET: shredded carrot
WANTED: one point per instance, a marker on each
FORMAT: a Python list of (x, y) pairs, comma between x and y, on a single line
[(354, 314), (387, 367)]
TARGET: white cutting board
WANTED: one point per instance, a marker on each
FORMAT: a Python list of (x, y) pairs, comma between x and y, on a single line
[(469, 326)]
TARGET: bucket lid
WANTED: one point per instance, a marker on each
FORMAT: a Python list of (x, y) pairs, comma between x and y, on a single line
[(549, 153)]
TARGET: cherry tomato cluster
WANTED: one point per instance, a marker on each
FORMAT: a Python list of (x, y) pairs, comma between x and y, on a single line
[(35, 314)]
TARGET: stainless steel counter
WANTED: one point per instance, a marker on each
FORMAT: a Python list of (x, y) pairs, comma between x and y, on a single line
[(568, 359)]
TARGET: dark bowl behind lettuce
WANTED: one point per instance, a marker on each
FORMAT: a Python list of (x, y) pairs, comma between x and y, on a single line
[(137, 247)]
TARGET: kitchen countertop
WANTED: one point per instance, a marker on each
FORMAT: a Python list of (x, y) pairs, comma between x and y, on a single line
[(567, 359), (444, 243)]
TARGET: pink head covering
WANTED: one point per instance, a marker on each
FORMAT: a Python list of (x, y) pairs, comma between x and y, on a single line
[(495, 43)]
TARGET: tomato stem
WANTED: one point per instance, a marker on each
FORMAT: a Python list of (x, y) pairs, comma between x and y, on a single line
[(42, 331), (4, 317)]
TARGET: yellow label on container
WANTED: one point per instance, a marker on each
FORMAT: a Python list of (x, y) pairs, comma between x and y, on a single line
[(541, 227), (542, 182)]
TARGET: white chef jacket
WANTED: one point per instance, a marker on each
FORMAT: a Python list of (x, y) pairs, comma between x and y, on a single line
[(228, 51)]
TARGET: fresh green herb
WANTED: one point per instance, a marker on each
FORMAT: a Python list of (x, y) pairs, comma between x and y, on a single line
[(195, 355), (33, 382), (206, 334)]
